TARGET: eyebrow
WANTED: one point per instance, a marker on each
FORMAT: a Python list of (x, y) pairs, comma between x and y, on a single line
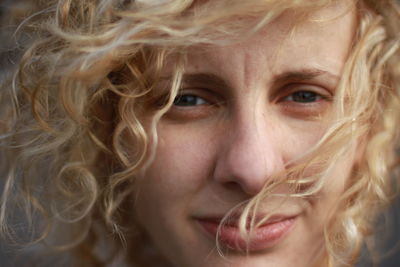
[(204, 79), (302, 75)]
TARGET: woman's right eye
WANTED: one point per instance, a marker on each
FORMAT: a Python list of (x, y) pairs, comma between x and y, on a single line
[(195, 104), (189, 100)]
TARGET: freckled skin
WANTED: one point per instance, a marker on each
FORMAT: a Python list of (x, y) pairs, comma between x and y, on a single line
[(213, 155)]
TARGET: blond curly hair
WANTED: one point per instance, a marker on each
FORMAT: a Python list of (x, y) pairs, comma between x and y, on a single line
[(87, 76)]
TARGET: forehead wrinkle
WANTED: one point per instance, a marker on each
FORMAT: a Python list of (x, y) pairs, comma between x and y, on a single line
[(248, 71)]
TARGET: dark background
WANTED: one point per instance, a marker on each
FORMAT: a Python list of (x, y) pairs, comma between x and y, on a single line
[(11, 13)]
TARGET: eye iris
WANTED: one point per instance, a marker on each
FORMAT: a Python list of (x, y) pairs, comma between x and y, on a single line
[(186, 100), (305, 97)]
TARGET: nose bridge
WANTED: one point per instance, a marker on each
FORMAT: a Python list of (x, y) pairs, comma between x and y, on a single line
[(251, 153)]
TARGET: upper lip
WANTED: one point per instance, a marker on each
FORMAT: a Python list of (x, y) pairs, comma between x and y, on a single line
[(232, 220)]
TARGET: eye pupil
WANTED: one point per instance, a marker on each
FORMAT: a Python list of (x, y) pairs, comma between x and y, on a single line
[(304, 97), (187, 100)]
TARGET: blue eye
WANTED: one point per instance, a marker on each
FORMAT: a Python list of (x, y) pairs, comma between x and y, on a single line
[(303, 97), (189, 100)]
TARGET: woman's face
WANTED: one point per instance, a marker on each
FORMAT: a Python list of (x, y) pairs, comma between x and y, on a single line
[(244, 111)]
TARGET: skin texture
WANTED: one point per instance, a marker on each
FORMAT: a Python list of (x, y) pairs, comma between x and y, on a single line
[(223, 141)]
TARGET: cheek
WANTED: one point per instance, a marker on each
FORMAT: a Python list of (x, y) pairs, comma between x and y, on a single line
[(329, 199), (297, 137), (341, 176), (182, 165)]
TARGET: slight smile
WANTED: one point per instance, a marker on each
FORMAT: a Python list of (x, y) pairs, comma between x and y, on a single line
[(265, 236)]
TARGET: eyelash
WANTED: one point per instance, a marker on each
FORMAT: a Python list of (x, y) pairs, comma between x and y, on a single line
[(191, 97), (296, 100), (291, 97), (302, 96)]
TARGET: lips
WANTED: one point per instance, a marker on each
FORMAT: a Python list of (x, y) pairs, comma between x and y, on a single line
[(263, 237)]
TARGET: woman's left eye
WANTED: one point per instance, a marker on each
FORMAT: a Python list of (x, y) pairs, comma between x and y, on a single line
[(305, 101), (303, 97), (189, 100)]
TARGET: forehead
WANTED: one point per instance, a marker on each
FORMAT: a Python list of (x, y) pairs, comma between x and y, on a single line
[(289, 43)]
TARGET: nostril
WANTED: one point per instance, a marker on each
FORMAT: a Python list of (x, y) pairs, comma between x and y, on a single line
[(237, 186), (234, 186)]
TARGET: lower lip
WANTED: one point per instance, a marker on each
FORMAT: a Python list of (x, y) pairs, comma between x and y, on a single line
[(264, 237)]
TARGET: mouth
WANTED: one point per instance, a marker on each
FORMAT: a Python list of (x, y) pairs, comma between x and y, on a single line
[(260, 238)]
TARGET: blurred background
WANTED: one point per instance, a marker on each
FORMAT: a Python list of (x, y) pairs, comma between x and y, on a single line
[(12, 12)]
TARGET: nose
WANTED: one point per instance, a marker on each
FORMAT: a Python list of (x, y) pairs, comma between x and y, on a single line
[(251, 152)]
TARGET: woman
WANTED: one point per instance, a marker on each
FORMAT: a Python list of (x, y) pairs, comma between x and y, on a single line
[(204, 133)]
